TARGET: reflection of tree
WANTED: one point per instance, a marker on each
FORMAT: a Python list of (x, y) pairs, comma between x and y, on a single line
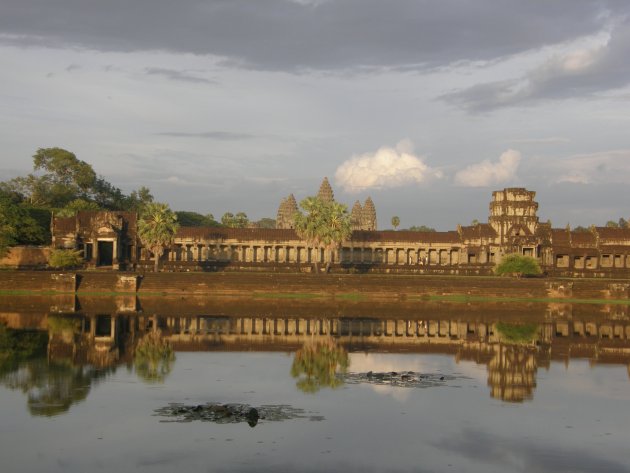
[(316, 365), (517, 333), (512, 373), (51, 387), (153, 358), (20, 345)]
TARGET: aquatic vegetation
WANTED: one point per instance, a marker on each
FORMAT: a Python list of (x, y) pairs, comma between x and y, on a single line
[(232, 413)]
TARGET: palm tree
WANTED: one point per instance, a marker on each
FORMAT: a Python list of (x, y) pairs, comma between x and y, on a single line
[(323, 225), (156, 228), (395, 221)]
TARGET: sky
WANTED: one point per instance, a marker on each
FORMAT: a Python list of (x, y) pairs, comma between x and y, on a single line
[(426, 106)]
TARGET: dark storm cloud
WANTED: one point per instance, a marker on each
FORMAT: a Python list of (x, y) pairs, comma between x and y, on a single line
[(173, 74), (288, 35), (577, 74)]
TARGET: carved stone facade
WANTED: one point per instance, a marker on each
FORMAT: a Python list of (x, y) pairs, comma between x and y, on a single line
[(513, 226), (105, 238)]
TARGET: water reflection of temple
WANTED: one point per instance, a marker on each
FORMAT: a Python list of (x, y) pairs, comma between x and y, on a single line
[(561, 334)]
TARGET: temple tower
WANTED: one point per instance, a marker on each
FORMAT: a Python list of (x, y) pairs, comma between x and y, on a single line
[(513, 215), (356, 216), (368, 216), (286, 211), (325, 191)]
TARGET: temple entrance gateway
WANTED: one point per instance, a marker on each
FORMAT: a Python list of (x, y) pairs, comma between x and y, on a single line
[(105, 253)]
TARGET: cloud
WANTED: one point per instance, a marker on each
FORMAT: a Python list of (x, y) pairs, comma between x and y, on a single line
[(579, 73), (595, 168), (539, 141), (177, 75), (214, 135), (487, 173), (310, 34), (387, 167)]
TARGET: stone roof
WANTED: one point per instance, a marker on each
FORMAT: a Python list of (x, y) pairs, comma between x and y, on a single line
[(64, 225), (611, 233), (406, 236), (242, 234), (481, 230)]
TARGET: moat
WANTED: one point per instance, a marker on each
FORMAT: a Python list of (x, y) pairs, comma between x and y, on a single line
[(145, 382)]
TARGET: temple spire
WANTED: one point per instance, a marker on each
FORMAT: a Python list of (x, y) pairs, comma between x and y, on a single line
[(325, 191)]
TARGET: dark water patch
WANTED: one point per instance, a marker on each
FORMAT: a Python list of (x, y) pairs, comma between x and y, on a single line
[(233, 413)]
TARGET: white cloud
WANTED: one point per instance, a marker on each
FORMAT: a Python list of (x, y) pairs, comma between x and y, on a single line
[(487, 173), (602, 167), (387, 167)]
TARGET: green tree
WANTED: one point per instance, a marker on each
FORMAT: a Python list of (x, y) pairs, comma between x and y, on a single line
[(612, 224), (65, 258), (239, 220), (517, 265), (325, 224), (195, 219), (395, 221), (75, 206), (623, 223), (59, 178), (17, 226), (266, 222), (139, 199), (421, 228), (156, 228)]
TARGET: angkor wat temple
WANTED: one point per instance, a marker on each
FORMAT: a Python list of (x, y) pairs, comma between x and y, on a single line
[(109, 239)]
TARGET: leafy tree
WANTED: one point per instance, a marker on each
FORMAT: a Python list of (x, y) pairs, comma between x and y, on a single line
[(239, 220), (195, 219), (474, 222), (65, 259), (156, 228), (75, 206), (17, 226), (612, 224), (325, 224), (421, 228), (60, 178), (139, 199), (623, 223), (581, 229), (266, 223), (395, 221), (317, 364), (517, 265)]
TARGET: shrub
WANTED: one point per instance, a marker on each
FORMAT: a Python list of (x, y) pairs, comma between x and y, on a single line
[(517, 265), (65, 258)]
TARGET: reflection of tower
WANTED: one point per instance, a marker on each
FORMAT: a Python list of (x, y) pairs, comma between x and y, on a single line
[(512, 373)]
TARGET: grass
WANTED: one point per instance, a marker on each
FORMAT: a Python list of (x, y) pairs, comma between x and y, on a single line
[(285, 295)]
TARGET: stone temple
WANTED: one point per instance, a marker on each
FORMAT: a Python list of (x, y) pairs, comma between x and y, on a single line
[(361, 217), (109, 240)]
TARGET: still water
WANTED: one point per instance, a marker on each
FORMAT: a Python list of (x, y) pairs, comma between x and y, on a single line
[(359, 387)]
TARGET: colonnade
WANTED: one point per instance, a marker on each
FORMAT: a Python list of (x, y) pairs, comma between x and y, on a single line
[(299, 253)]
